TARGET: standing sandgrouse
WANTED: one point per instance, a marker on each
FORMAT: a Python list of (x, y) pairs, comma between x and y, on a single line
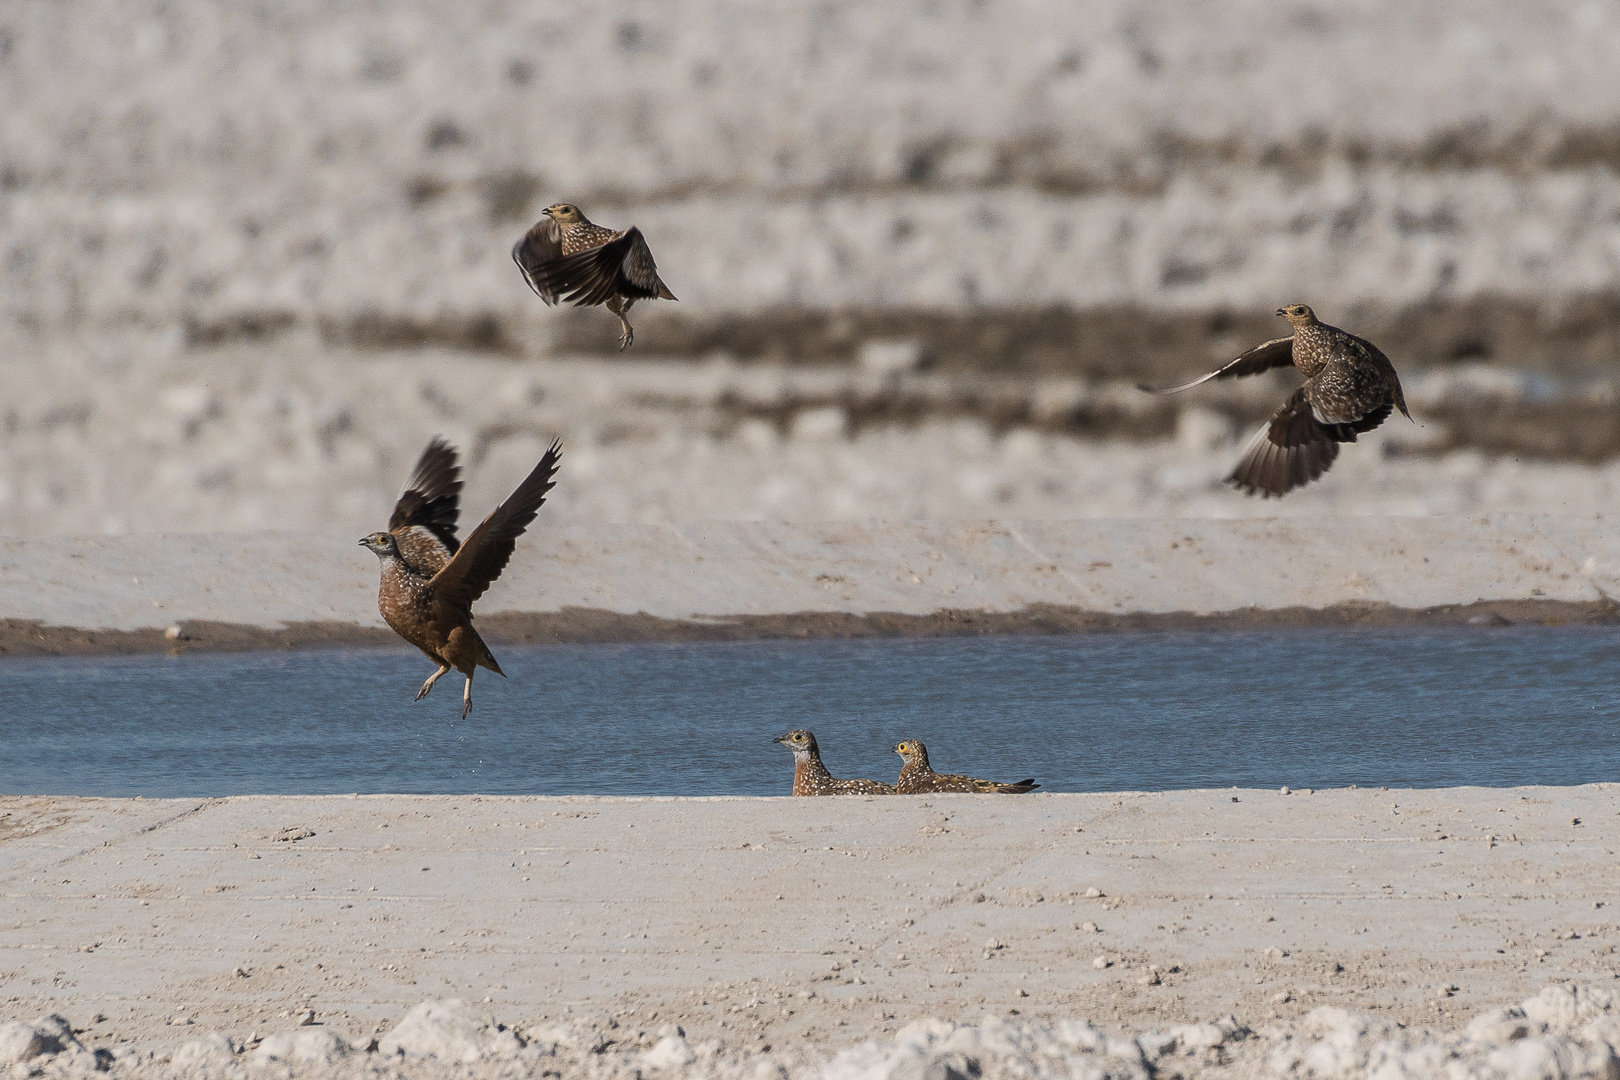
[(566, 257), (429, 580), (918, 778), (1350, 388), (810, 776)]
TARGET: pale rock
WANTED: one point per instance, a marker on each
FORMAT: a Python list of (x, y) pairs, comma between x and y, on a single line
[(670, 1052), (307, 1045), (20, 1042), (451, 1030), (212, 1049)]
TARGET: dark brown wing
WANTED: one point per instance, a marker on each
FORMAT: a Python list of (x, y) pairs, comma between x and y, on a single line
[(485, 552), (991, 788), (622, 267), (540, 245), (1395, 380), (1296, 448), (1273, 354), (424, 518)]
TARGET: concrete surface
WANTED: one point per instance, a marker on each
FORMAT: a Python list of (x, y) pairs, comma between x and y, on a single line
[(736, 568), (800, 923)]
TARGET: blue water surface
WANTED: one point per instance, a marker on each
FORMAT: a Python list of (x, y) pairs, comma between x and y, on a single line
[(1099, 712)]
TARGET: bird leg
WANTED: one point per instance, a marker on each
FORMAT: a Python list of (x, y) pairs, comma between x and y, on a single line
[(431, 679), (621, 308), (466, 696)]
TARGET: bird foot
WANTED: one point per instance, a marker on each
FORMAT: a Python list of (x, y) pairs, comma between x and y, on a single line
[(626, 338), (466, 708), (422, 693)]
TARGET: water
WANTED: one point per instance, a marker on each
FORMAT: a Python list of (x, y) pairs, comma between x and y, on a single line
[(1136, 711)]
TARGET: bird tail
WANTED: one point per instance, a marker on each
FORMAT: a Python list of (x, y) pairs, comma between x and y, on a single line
[(663, 291)]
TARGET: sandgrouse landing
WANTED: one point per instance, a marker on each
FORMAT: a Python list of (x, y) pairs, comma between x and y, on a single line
[(1350, 388), (918, 778), (810, 776), (566, 257), (430, 580)]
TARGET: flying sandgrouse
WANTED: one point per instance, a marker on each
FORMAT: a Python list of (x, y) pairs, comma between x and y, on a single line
[(917, 778), (429, 580), (1350, 388), (566, 257), (810, 776)]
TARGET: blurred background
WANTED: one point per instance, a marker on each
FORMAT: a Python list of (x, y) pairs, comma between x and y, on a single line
[(252, 255)]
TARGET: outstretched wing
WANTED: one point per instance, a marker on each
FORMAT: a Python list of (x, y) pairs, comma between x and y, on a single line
[(485, 552), (1273, 354), (620, 267), (1296, 447), (540, 245), (424, 518)]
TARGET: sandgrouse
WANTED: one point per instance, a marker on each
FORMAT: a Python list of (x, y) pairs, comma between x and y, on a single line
[(566, 257), (430, 580), (810, 776), (918, 778), (1350, 388)]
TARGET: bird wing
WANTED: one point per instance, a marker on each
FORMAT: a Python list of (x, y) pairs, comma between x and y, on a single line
[(621, 267), (1293, 448), (540, 245), (1395, 380), (990, 787), (1273, 354), (424, 518), (483, 555)]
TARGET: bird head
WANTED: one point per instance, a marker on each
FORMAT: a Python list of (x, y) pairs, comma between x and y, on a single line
[(382, 544), (912, 752), (1298, 314), (800, 741), (565, 214)]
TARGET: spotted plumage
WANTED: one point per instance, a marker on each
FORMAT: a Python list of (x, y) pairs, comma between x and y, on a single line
[(810, 776), (429, 580), (1350, 388), (918, 778), (567, 257)]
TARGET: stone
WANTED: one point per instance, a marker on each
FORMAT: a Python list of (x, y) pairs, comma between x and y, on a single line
[(450, 1030), (307, 1045)]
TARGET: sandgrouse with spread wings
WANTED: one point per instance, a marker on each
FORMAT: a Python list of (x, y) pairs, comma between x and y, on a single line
[(430, 580), (566, 257), (1350, 388), (917, 777), (810, 776)]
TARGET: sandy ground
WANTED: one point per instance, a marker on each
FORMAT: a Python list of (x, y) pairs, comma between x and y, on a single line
[(803, 925), (1074, 575)]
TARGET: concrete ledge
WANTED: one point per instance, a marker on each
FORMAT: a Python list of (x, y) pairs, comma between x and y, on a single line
[(752, 571)]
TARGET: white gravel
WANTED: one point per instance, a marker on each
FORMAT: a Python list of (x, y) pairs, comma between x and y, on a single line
[(1565, 1031)]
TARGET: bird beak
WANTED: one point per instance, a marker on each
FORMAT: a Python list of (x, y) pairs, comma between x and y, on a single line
[(546, 211), (1282, 311), (780, 738)]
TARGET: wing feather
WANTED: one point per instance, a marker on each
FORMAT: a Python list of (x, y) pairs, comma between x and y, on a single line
[(424, 517), (542, 244), (621, 267), (485, 552), (1273, 354)]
